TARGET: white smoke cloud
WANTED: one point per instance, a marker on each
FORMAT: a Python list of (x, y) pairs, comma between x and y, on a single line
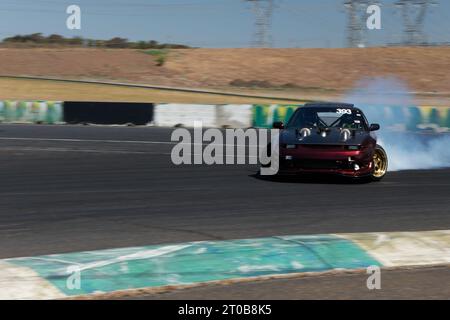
[(406, 151)]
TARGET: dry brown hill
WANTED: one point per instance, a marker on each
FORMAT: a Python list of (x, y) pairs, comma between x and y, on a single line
[(291, 70)]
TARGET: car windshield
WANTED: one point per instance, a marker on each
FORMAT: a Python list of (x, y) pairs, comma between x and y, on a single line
[(328, 117)]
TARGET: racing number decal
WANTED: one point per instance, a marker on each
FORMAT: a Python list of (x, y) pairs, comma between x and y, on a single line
[(344, 111)]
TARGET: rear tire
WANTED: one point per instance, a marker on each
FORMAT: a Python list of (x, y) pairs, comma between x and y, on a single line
[(380, 164)]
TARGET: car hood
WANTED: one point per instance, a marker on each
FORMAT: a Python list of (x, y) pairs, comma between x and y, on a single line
[(333, 136)]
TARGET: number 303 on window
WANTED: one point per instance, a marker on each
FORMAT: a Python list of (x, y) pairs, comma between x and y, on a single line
[(344, 111)]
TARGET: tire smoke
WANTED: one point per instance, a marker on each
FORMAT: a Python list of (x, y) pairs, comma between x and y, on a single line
[(406, 150)]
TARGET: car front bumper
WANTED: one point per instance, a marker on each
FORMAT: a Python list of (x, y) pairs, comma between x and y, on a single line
[(326, 160)]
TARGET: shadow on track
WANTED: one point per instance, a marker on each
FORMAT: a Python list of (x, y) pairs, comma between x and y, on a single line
[(312, 179)]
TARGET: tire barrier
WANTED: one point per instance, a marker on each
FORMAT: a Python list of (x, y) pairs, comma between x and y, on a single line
[(401, 118), (47, 112), (234, 116), (108, 112), (214, 116), (174, 115), (410, 118), (265, 115)]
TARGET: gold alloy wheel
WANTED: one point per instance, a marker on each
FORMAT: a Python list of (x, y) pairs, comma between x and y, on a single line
[(380, 163)]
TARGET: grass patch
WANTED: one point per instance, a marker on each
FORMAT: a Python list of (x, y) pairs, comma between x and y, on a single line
[(160, 55)]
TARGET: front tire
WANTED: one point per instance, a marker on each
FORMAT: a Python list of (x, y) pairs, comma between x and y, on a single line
[(380, 164)]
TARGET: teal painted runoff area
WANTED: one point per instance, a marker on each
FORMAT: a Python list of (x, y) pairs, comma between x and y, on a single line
[(195, 262)]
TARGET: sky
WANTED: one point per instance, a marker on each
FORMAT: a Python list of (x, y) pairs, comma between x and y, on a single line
[(211, 23)]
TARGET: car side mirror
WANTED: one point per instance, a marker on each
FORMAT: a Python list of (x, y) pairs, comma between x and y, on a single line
[(374, 127), (278, 125)]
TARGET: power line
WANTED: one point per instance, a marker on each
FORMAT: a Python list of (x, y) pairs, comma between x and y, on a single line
[(414, 26), (356, 27), (263, 10)]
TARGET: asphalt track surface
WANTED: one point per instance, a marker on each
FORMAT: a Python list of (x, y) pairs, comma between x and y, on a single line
[(425, 284), (76, 188)]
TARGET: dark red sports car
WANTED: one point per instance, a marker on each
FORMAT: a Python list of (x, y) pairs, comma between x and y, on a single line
[(331, 138)]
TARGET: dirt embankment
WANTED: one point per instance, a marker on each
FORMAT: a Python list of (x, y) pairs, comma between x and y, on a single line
[(290, 70)]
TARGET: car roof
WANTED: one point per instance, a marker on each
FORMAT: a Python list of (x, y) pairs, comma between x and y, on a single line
[(329, 104)]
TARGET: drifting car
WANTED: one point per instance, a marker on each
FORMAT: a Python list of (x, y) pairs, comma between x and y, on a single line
[(331, 138)]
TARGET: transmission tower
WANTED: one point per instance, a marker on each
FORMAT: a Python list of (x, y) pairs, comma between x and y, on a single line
[(263, 10), (414, 13), (356, 27)]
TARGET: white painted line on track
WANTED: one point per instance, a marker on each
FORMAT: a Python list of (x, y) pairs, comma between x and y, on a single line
[(22, 149), (116, 141), (87, 140)]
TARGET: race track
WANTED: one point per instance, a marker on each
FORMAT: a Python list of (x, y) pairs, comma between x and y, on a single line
[(77, 188)]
